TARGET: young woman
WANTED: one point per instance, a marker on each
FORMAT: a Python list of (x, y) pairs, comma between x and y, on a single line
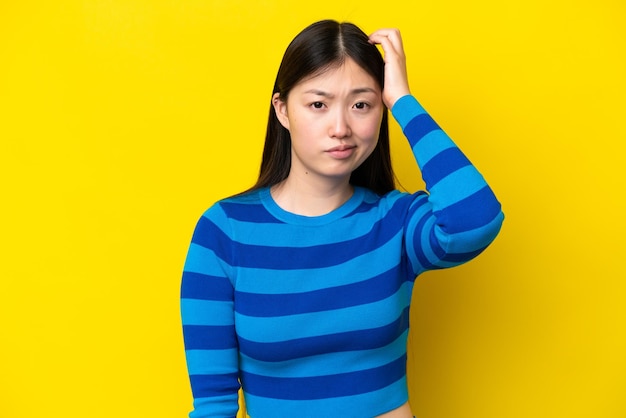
[(299, 288)]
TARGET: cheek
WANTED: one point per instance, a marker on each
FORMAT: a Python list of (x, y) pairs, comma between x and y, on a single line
[(370, 131)]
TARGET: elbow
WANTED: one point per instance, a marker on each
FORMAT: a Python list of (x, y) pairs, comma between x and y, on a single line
[(462, 246)]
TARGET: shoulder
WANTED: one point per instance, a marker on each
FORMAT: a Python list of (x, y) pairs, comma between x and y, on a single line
[(247, 207), (246, 199), (395, 201)]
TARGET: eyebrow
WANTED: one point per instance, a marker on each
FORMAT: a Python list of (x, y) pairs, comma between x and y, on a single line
[(352, 92)]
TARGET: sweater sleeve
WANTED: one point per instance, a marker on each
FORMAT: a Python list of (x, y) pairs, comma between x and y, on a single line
[(460, 215), (207, 311)]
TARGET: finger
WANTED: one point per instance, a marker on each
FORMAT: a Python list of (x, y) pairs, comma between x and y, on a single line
[(392, 34), (392, 50), (385, 31), (388, 49)]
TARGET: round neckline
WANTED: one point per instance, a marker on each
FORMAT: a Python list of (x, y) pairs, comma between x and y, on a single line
[(293, 218)]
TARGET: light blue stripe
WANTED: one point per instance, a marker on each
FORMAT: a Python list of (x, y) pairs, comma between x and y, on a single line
[(405, 109), (290, 235), (456, 187), (448, 264), (217, 215), (225, 406), (425, 241), (359, 268), (250, 199), (204, 261), (365, 405), (212, 361), (206, 312), (475, 239), (306, 236), (313, 324), (331, 363), (430, 145), (388, 200), (410, 239)]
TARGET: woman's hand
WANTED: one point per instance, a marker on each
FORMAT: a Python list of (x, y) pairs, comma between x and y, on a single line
[(396, 80)]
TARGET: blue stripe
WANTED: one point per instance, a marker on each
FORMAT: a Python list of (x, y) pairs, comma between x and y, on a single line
[(468, 241), (368, 404), (451, 256), (207, 337), (212, 361), (415, 244), (360, 268), (430, 145), (367, 291), (312, 324), (290, 235), (342, 362), (419, 206), (355, 224), (443, 164), (454, 250), (202, 286), (321, 387), (459, 258), (435, 245), (474, 211), (420, 203), (431, 250), (419, 127), (208, 386), (388, 200), (206, 312), (449, 191), (297, 258), (365, 339), (203, 261), (245, 213), (405, 109), (364, 207), (209, 235)]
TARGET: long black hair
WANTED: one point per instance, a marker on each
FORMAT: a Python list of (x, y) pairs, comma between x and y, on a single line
[(320, 46)]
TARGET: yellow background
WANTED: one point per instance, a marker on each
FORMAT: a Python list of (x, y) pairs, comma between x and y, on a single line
[(122, 120)]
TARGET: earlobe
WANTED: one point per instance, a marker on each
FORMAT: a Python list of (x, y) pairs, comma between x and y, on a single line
[(280, 107)]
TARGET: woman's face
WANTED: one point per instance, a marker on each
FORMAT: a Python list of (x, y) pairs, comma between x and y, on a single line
[(334, 120)]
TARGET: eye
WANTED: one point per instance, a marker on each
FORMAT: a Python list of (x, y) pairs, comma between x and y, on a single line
[(361, 105), (317, 105)]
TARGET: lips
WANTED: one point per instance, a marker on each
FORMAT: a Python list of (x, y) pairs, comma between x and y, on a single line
[(341, 151), (341, 147)]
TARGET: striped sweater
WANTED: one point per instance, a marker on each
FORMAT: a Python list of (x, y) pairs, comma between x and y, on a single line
[(311, 314)]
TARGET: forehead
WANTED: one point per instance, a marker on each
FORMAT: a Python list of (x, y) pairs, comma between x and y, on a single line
[(345, 74)]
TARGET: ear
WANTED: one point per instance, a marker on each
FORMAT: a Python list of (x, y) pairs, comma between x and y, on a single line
[(280, 107)]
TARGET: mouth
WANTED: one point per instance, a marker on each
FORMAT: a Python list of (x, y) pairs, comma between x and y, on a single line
[(342, 151), (342, 147)]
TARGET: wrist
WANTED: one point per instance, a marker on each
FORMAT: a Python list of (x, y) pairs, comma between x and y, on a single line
[(392, 101), (405, 108)]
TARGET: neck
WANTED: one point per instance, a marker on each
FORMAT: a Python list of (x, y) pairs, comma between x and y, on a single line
[(311, 198)]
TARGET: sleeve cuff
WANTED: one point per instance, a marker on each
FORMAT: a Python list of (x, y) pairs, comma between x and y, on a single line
[(405, 109)]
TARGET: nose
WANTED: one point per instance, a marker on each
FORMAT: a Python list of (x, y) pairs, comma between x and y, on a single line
[(340, 126)]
